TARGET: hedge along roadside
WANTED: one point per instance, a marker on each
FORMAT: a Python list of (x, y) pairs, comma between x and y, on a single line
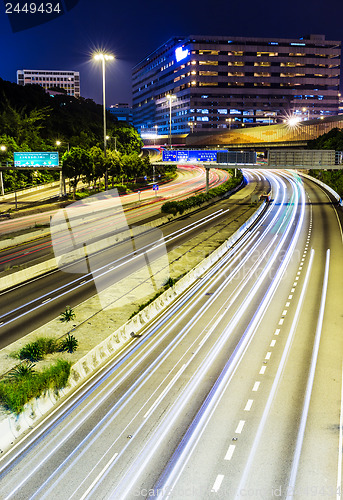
[(174, 207)]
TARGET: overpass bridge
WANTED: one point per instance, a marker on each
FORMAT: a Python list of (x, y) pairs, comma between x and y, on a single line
[(277, 159)]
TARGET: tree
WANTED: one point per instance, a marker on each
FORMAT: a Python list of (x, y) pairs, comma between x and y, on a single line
[(75, 164), (99, 164), (114, 165)]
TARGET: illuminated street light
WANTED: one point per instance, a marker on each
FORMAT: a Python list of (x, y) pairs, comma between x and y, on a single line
[(293, 121), (100, 56), (308, 112), (170, 97), (3, 149), (229, 120), (59, 143), (191, 126)]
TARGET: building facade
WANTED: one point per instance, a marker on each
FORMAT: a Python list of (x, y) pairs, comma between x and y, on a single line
[(122, 111), (201, 83), (67, 80)]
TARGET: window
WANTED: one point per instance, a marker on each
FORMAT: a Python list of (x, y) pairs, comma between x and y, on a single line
[(262, 63), (203, 52), (236, 73), (209, 63), (208, 73), (270, 54)]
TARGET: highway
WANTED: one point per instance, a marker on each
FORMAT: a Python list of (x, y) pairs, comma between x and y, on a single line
[(30, 305), (190, 179), (235, 391)]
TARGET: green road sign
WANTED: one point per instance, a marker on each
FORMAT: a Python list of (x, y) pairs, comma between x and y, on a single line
[(36, 160)]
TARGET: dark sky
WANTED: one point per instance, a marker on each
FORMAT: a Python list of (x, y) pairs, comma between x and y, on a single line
[(131, 29)]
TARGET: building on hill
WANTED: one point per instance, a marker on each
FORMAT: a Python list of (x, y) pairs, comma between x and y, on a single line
[(205, 83), (67, 80)]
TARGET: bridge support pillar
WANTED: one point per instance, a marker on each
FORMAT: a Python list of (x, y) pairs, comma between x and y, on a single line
[(207, 170)]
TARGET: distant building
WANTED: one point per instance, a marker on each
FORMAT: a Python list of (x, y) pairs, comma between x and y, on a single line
[(220, 82), (122, 111), (67, 80)]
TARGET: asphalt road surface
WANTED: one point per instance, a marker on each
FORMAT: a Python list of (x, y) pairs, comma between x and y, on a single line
[(234, 392)]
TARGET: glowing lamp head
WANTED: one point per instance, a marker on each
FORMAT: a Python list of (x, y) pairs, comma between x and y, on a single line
[(293, 121)]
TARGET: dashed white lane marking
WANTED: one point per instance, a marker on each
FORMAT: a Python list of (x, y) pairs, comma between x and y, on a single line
[(248, 405), (46, 300), (256, 386), (297, 278), (273, 342), (281, 322), (290, 297), (287, 304), (284, 312), (268, 355), (240, 427), (277, 331), (293, 290), (217, 483), (263, 369), (229, 452), (82, 282)]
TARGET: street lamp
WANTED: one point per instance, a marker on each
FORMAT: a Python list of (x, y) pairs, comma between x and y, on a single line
[(170, 97), (59, 143), (191, 125), (3, 149), (229, 120), (100, 56), (308, 112)]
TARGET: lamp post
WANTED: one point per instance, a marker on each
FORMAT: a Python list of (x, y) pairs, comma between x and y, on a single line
[(156, 134), (308, 112), (170, 97), (63, 189), (229, 120), (191, 126), (3, 149), (100, 56)]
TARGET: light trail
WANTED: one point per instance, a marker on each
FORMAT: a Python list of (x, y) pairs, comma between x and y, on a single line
[(310, 381)]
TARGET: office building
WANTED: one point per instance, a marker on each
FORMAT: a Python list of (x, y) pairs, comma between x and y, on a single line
[(67, 80), (122, 111), (218, 82)]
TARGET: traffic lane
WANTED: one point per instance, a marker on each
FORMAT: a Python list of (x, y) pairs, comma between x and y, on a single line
[(271, 464), (321, 446), (193, 179), (36, 251), (46, 287)]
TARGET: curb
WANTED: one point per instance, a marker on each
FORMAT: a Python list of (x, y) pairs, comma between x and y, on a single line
[(13, 426)]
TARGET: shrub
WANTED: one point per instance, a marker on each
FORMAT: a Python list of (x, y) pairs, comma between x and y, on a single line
[(35, 351), (69, 344), (32, 352), (23, 370), (15, 394), (174, 207), (67, 315)]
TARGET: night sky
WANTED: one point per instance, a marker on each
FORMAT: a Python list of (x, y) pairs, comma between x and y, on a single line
[(132, 29)]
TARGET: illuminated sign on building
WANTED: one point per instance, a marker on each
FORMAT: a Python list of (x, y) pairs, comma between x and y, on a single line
[(181, 53)]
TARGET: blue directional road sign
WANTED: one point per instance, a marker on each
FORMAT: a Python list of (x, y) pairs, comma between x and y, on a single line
[(155, 187), (36, 160)]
